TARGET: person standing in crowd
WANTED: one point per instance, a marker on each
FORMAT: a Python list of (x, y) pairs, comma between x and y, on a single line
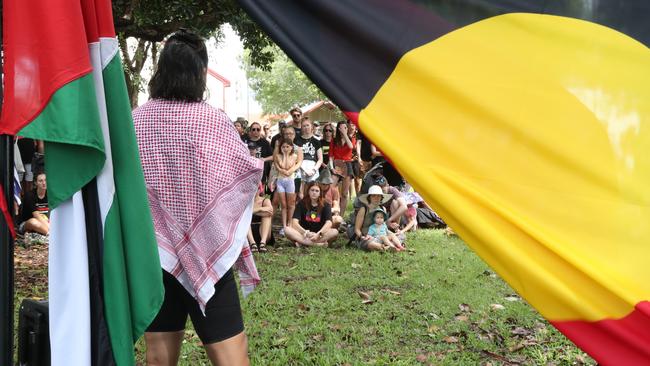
[(312, 221), (201, 181), (355, 183), (312, 154), (35, 217), (296, 119), (365, 154), (27, 149), (240, 125), (286, 162), (266, 129), (328, 136), (262, 147), (289, 133), (341, 153)]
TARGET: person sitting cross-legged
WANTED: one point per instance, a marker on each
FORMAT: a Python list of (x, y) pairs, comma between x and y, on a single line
[(312, 220), (35, 209)]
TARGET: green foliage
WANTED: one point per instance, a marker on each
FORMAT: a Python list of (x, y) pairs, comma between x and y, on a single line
[(282, 86), (153, 20)]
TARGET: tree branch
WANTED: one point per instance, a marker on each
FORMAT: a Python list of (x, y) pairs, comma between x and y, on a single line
[(158, 32)]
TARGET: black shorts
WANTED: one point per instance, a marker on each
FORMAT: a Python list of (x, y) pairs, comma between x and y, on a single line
[(356, 169), (223, 312)]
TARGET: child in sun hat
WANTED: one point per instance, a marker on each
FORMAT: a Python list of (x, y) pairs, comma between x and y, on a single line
[(379, 230)]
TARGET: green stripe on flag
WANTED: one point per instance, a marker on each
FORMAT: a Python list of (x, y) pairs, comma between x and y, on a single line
[(74, 146), (133, 290)]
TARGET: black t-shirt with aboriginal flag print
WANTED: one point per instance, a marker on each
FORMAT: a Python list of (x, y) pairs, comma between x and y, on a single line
[(32, 203), (310, 219)]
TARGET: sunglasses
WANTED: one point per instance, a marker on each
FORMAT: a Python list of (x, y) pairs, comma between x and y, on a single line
[(255, 129), (328, 130), (295, 115)]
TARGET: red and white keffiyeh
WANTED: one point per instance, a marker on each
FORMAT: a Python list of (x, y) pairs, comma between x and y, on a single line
[(201, 181)]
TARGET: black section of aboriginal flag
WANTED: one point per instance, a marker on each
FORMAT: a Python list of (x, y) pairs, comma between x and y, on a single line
[(350, 47)]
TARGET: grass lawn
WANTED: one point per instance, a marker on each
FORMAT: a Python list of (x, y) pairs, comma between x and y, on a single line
[(438, 304)]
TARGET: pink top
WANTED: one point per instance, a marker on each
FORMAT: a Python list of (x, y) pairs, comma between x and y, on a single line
[(201, 180)]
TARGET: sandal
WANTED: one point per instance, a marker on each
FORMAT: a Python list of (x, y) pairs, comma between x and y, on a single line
[(262, 247), (253, 247)]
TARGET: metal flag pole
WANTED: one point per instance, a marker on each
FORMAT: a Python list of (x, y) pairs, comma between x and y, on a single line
[(6, 242)]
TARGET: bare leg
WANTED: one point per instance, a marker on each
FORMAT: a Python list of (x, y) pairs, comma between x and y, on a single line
[(336, 221), (395, 241), (37, 226), (231, 351), (291, 203), (249, 236), (283, 207), (387, 242), (163, 348), (376, 246), (345, 191), (357, 186), (328, 237), (251, 240), (293, 235), (265, 229)]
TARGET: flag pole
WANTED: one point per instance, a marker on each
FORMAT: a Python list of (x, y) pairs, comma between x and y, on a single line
[(6, 243), (6, 255)]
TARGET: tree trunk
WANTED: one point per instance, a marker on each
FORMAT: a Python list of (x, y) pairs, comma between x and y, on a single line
[(133, 64)]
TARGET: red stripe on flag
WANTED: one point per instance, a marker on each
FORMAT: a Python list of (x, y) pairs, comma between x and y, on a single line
[(5, 212), (105, 18), (613, 342), (353, 116), (32, 75), (90, 20)]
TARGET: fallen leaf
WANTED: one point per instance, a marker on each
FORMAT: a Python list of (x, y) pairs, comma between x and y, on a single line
[(450, 339), (356, 265), (461, 318), (497, 307), (465, 308), (433, 328), (421, 358), (496, 356), (279, 342), (511, 298), (392, 292), (520, 331), (364, 295)]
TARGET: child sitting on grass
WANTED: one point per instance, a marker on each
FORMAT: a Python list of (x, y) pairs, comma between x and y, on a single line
[(380, 232)]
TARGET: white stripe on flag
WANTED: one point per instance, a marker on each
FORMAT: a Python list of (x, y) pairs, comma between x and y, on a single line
[(69, 285)]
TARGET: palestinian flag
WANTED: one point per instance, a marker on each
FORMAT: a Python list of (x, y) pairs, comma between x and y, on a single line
[(525, 124), (65, 85)]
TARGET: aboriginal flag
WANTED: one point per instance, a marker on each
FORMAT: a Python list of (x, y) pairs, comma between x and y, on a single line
[(526, 123)]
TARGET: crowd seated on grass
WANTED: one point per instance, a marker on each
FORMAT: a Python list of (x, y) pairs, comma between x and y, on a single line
[(339, 165)]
